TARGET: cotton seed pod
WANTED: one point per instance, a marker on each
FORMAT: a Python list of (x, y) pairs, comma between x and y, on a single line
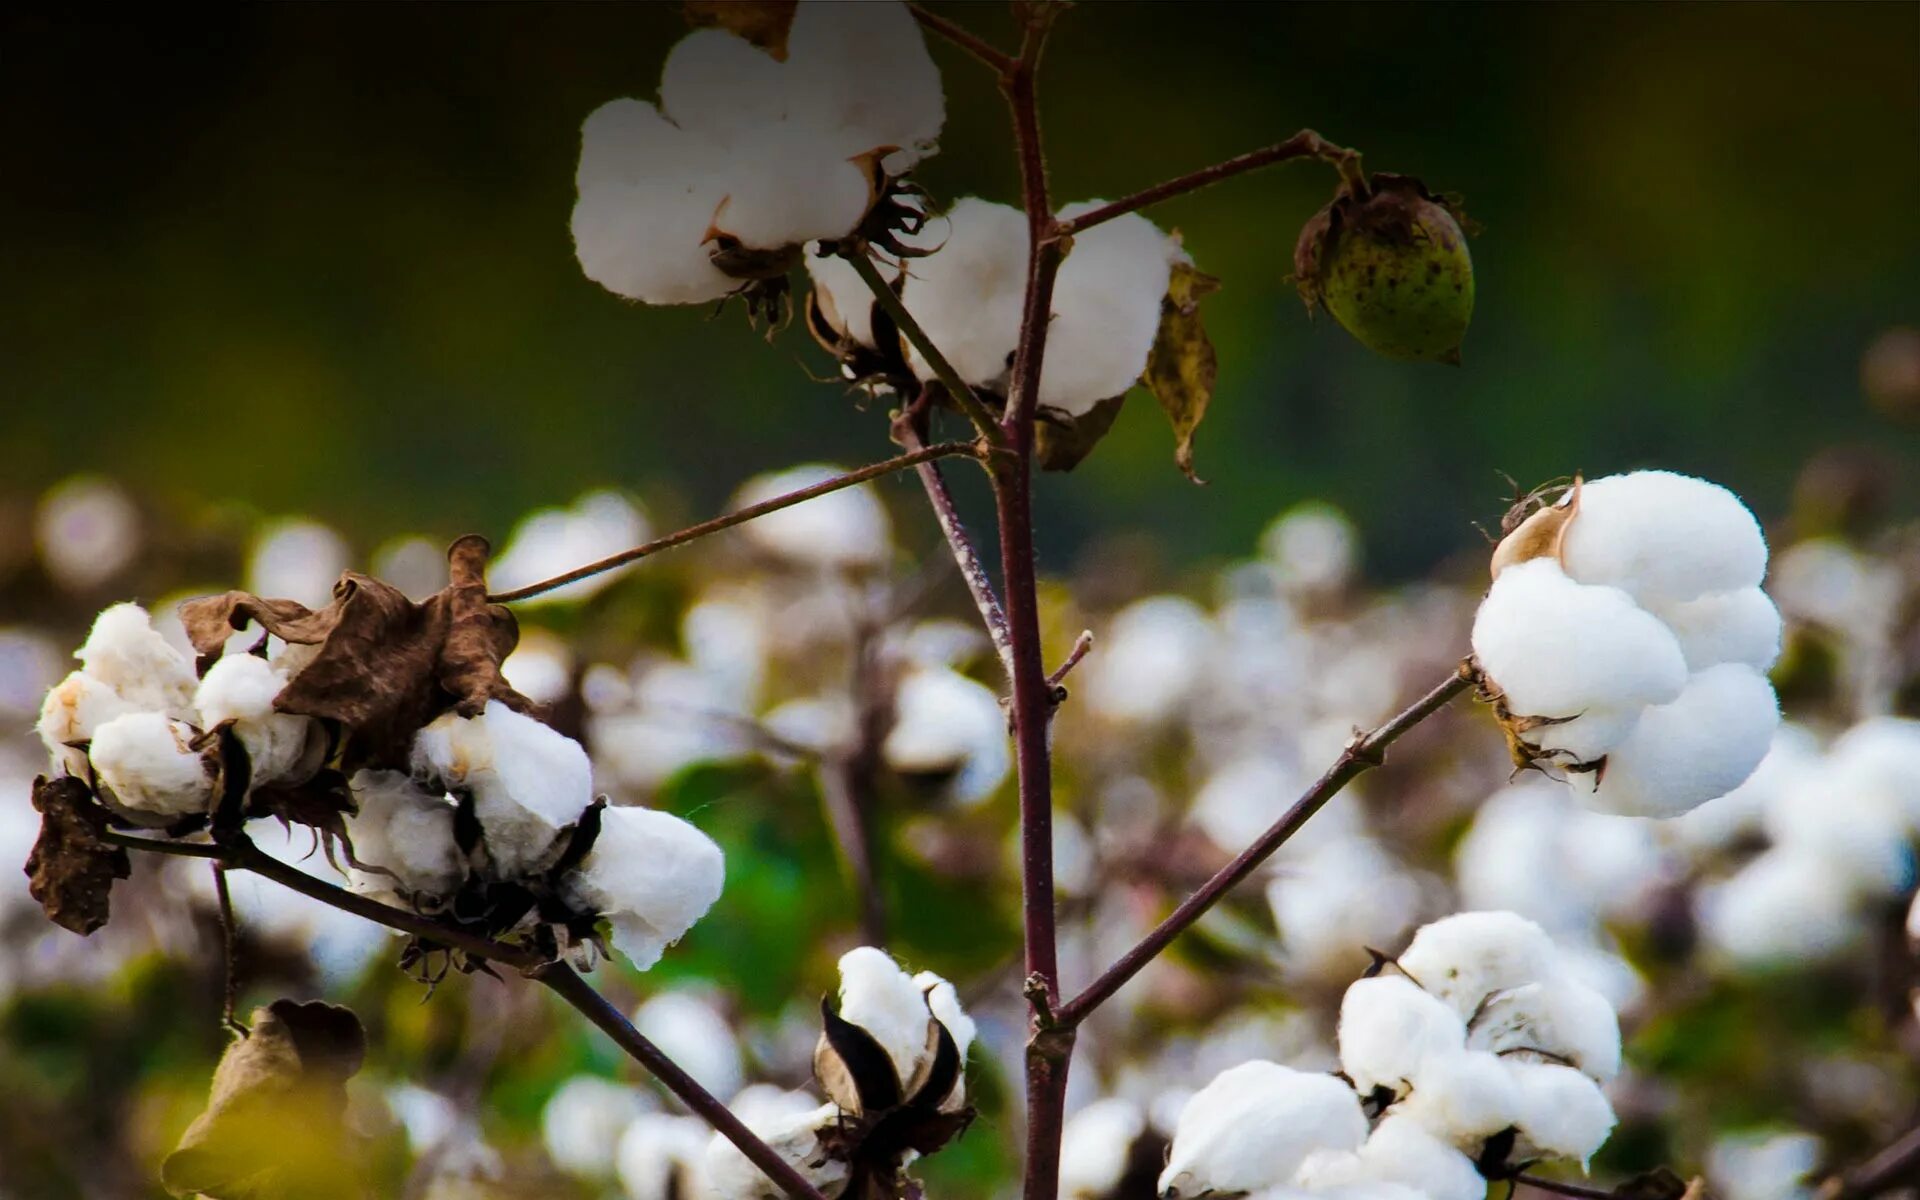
[(1389, 260), (1538, 535)]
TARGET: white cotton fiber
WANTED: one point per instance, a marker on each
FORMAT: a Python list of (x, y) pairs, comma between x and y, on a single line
[(1094, 1147), (663, 1157), (1462, 1098), (1562, 1113), (846, 529), (1254, 1125), (1332, 902), (1558, 648), (689, 1029), (878, 996), (1388, 1027), (406, 830), (1664, 537), (76, 707), (1740, 626), (1151, 659), (732, 1176), (722, 88), (652, 875), (763, 207), (553, 541), (583, 1120), (1879, 759), (528, 779), (944, 1002), (864, 70), (1782, 908), (241, 688), (967, 295), (1466, 957), (945, 723), (1402, 1151), (1106, 310), (1557, 1019), (1701, 745), (145, 760), (844, 294), (648, 191), (126, 653)]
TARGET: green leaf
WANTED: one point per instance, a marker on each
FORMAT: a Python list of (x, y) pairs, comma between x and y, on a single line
[(1181, 368), (1060, 441)]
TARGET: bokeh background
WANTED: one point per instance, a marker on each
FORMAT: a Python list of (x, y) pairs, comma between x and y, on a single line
[(316, 258)]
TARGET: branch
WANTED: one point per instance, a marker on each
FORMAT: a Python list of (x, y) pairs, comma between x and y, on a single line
[(1305, 144), (1578, 1190), (739, 517), (1362, 754), (910, 328), (1055, 681), (1897, 1165), (993, 57)]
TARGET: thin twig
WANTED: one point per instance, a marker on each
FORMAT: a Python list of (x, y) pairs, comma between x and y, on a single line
[(1081, 645), (910, 328), (1579, 1190), (1305, 144), (1895, 1166), (229, 951), (740, 517), (992, 56), (1363, 753)]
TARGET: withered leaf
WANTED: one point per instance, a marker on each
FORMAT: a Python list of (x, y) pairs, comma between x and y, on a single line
[(1181, 367), (852, 1068), (386, 666), (1060, 442), (70, 871), (275, 1123), (763, 22)]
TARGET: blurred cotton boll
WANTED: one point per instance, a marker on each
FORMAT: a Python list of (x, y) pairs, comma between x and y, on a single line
[(847, 529), (553, 541), (1330, 905), (1148, 662), (689, 1029), (540, 667), (583, 1121), (950, 727), (1313, 547), (1764, 1166), (297, 559), (1095, 1145), (1782, 908), (415, 565), (663, 1157), (88, 531)]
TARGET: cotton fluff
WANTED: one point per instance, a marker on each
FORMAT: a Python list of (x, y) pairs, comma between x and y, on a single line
[(732, 1176), (583, 1120), (145, 759), (76, 707), (552, 541), (1399, 1151), (662, 1157), (1780, 908), (1151, 658), (1333, 902), (651, 875), (1389, 1026), (948, 725), (1463, 1097), (241, 688), (1106, 310), (402, 838), (845, 297), (528, 780), (1701, 745), (1254, 1125), (1466, 957), (1094, 1147), (878, 996), (689, 1029), (847, 529), (1664, 537), (1561, 1112), (968, 293), (1725, 627), (125, 652), (1554, 1018)]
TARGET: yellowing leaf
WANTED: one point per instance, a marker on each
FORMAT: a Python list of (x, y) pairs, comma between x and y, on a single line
[(1181, 368), (1060, 441)]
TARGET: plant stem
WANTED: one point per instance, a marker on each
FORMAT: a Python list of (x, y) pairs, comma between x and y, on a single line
[(993, 57), (1577, 1190), (910, 328), (569, 986), (1895, 1166), (1362, 753), (229, 950), (739, 517), (1305, 144), (1081, 645)]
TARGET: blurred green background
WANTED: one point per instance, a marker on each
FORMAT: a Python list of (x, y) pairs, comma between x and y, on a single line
[(316, 258)]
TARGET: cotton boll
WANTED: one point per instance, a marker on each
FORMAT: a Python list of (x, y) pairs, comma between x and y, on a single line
[(1879, 760), (1149, 662), (652, 875), (731, 1176), (764, 209), (1682, 754), (1557, 1018), (402, 829), (1332, 902), (1725, 627), (1789, 770), (145, 759), (844, 294), (1463, 1098), (88, 531), (1094, 1147), (1663, 537), (1862, 836), (1254, 1125), (945, 724), (878, 996), (241, 688), (864, 70), (297, 559), (1557, 648), (847, 529), (968, 293), (722, 88), (1106, 310), (76, 707), (1400, 1150), (944, 1002), (761, 1102), (1587, 738), (1763, 1166), (1388, 1027), (583, 1121), (1466, 957), (126, 653), (690, 1031), (1242, 798), (553, 541), (662, 1157), (1314, 546), (1781, 908), (540, 667), (528, 780), (648, 191), (1562, 1113)]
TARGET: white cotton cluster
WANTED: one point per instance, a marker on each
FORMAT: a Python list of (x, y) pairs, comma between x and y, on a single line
[(846, 529), (951, 727), (797, 1138), (403, 845), (1632, 655), (744, 150), (1095, 1144), (553, 541), (1151, 659), (240, 689), (889, 1004), (584, 1119), (298, 559), (1330, 905), (1841, 827), (968, 295), (661, 1156), (845, 299), (651, 875), (1776, 1165), (1313, 547), (1254, 1127), (148, 762), (690, 1029), (528, 780), (1486, 1027)]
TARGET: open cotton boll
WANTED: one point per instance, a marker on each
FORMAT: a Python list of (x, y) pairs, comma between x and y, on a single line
[(145, 760), (1865, 840), (553, 541), (722, 88), (731, 1176), (1594, 864), (528, 780), (846, 529), (297, 559), (647, 192), (125, 652), (1725, 627), (652, 875), (1106, 310), (878, 996), (1331, 902), (1555, 1018), (946, 724), (1879, 760), (76, 707), (1663, 537), (1466, 957), (241, 688), (1557, 648), (1793, 760), (1763, 1166), (1388, 1027), (1701, 745), (1462, 1098), (944, 1002), (1254, 1125), (662, 1157), (690, 1030), (1561, 1113), (87, 530), (1095, 1145), (968, 293), (403, 829), (787, 186), (865, 70), (1399, 1151), (846, 297), (1150, 660), (1781, 908), (583, 1120)]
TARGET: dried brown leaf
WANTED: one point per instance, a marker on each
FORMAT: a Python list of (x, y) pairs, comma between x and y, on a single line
[(71, 871), (765, 23), (1182, 367), (1060, 442)]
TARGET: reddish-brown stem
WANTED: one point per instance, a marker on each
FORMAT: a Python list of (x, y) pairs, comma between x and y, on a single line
[(1362, 753), (992, 56), (740, 517), (1895, 1166), (576, 991), (1559, 1188), (1305, 144), (229, 950)]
